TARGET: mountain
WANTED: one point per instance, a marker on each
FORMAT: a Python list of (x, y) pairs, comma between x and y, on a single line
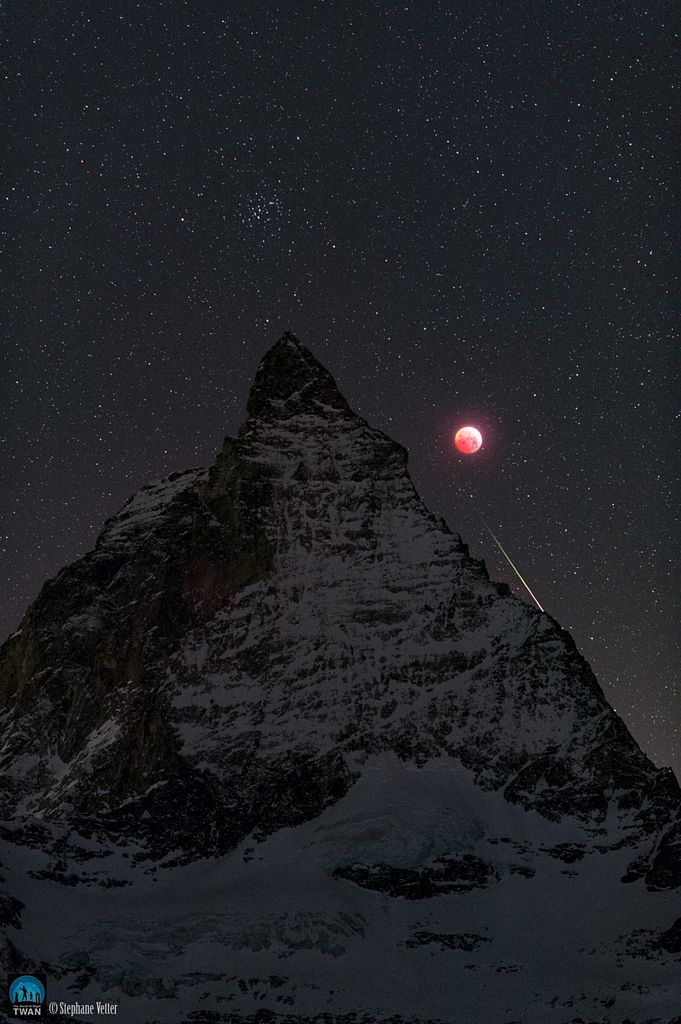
[(278, 749)]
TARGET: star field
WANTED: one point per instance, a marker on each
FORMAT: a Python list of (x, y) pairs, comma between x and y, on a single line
[(467, 210)]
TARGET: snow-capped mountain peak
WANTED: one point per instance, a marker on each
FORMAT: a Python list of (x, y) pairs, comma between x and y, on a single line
[(288, 653)]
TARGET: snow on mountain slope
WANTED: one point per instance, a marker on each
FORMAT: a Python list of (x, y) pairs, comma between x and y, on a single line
[(278, 743), (546, 935)]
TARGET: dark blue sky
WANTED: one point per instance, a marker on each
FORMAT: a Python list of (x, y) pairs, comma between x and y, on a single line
[(465, 209)]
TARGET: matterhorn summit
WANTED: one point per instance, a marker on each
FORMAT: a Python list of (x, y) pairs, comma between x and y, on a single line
[(278, 749)]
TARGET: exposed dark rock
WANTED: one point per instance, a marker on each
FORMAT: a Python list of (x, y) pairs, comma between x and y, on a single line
[(290, 382), (567, 852), (671, 938), (10, 911), (445, 875), (466, 941), (665, 871)]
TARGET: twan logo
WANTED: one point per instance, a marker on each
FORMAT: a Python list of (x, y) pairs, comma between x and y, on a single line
[(27, 995)]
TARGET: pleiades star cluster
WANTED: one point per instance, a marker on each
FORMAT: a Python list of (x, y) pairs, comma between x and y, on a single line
[(466, 209)]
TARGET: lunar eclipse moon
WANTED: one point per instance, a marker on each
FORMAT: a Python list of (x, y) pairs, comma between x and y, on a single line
[(468, 440)]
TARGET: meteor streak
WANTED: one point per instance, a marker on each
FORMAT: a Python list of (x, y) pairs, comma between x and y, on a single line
[(508, 559)]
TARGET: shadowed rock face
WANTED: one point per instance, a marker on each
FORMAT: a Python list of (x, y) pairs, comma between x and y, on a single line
[(671, 938), (243, 638), (445, 875), (290, 382)]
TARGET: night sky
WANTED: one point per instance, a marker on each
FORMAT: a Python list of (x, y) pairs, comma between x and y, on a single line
[(466, 209)]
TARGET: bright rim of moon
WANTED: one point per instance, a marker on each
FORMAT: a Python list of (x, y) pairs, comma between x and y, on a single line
[(468, 440)]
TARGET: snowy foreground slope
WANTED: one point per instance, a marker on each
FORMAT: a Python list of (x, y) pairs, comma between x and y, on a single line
[(279, 750)]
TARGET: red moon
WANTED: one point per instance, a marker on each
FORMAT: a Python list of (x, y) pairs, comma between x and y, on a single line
[(468, 440)]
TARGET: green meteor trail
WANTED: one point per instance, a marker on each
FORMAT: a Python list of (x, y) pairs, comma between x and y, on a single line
[(508, 559)]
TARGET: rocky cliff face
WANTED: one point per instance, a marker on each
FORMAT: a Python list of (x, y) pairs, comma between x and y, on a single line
[(244, 649)]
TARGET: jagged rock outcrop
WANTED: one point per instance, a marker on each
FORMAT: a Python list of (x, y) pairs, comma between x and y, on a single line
[(247, 645)]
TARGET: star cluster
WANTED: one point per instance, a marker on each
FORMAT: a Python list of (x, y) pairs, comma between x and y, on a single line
[(465, 209)]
